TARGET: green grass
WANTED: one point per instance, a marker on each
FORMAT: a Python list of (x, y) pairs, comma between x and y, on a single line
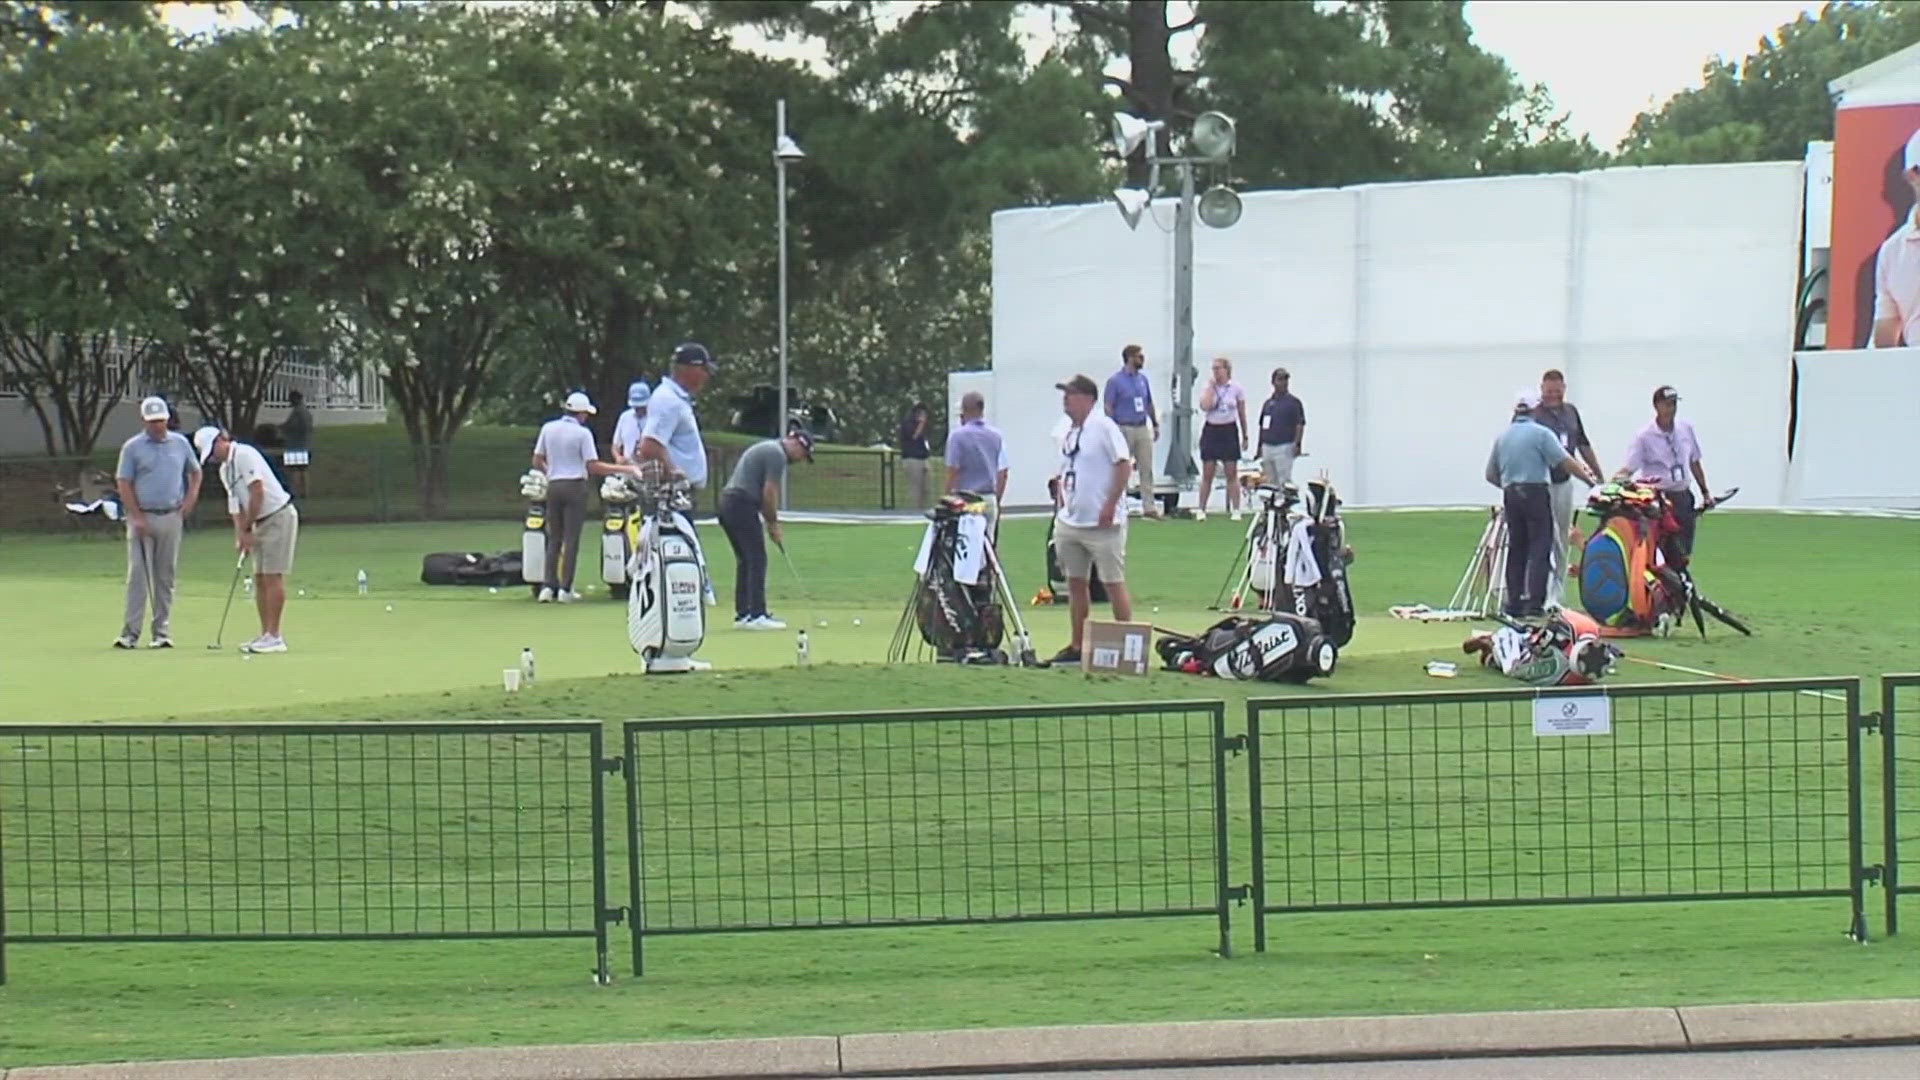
[(1827, 596)]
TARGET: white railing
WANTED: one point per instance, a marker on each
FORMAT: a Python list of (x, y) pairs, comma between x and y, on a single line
[(324, 386)]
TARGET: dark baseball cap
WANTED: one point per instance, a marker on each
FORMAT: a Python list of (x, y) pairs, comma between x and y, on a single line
[(1079, 384), (804, 438), (1665, 393), (694, 354)]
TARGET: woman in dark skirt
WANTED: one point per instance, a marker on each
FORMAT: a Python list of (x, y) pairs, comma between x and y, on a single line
[(1223, 438)]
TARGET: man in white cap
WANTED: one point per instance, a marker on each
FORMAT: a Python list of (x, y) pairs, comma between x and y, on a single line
[(1521, 466), (626, 433), (1896, 269), (566, 453), (265, 525), (159, 483)]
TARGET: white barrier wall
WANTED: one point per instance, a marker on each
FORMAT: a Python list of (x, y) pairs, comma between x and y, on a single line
[(1408, 315), (1854, 430)]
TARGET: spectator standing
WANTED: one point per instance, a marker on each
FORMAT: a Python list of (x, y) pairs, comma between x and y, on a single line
[(1283, 431), (1559, 416), (1130, 405), (1223, 438), (266, 525), (1090, 528), (1521, 464), (296, 435), (626, 432), (976, 458), (159, 482), (751, 495), (1667, 453), (914, 453)]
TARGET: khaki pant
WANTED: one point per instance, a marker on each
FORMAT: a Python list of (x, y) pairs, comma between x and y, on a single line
[(151, 559), (1276, 463), (916, 470), (1140, 448), (273, 542), (1080, 547)]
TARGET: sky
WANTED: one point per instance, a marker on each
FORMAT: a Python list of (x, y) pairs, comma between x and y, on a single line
[(1604, 61)]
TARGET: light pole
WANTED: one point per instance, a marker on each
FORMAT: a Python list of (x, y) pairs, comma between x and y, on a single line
[(1211, 143), (784, 150)]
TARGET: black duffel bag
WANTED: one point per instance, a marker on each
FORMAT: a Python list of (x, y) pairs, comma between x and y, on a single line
[(470, 568)]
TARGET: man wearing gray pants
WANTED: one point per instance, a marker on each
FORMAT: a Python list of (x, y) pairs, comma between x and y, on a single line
[(159, 481)]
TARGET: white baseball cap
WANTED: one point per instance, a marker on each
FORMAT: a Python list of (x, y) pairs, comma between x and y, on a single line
[(1526, 399), (154, 408), (203, 440), (577, 403), (1913, 151)]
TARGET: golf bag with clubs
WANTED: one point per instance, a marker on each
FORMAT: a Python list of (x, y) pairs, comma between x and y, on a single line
[(961, 604), (1634, 579), (1565, 650), (533, 535), (666, 620), (619, 533), (1056, 590), (1295, 558), (1275, 647)]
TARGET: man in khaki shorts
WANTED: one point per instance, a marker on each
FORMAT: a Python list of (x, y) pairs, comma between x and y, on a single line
[(1090, 528), (265, 525)]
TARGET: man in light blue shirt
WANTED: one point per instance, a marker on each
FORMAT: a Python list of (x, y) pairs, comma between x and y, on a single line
[(1129, 400), (626, 433), (671, 434), (1521, 466), (159, 481)]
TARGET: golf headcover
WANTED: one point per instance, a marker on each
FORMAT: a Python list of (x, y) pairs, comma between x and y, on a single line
[(617, 489), (534, 484)]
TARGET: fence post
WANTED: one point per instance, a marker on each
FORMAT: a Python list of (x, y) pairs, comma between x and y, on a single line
[(1221, 888), (596, 746), (3, 898), (1856, 862), (1257, 829), (636, 908), (1889, 807)]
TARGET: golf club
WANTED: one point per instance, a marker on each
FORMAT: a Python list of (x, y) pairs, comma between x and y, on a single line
[(1704, 673), (221, 633), (806, 595)]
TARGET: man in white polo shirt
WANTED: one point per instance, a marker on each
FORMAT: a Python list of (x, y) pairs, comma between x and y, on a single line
[(566, 453), (1090, 527), (265, 525), (1896, 269)]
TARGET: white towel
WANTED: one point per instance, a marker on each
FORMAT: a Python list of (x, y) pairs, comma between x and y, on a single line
[(1302, 571)]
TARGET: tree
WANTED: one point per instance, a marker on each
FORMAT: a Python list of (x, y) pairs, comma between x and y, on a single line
[(1770, 105)]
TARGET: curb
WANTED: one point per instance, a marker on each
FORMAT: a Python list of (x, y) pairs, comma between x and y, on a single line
[(1192, 1043)]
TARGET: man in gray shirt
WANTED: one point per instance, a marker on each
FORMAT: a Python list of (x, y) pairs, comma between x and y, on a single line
[(159, 482), (1559, 416), (752, 494), (1521, 464)]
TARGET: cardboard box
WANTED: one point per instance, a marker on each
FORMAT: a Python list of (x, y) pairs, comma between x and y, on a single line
[(1116, 648)]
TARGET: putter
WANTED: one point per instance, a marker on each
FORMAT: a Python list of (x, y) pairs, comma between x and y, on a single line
[(220, 634)]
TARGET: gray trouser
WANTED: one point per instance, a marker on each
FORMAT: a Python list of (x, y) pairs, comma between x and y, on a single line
[(566, 515), (151, 558), (1561, 494), (916, 470)]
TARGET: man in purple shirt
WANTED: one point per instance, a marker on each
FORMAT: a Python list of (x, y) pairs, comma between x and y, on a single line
[(1129, 400), (1666, 453)]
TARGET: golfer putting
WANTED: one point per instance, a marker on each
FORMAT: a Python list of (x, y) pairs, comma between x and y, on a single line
[(751, 496), (265, 526)]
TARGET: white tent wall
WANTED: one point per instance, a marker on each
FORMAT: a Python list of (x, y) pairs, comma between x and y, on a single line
[(1409, 314), (1856, 412)]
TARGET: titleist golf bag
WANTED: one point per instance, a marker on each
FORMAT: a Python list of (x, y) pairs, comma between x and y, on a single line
[(666, 621), (1566, 650), (1276, 647), (960, 605), (1295, 558)]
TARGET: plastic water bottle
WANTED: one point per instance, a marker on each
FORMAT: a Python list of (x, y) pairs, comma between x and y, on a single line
[(526, 665), (361, 580), (249, 585), (800, 654)]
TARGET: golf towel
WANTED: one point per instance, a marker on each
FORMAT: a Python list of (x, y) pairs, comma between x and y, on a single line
[(969, 552)]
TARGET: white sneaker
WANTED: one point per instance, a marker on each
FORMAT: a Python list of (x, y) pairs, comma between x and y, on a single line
[(768, 622), (546, 596), (566, 596), (161, 641), (265, 643), (125, 641), (1235, 516), (759, 622), (744, 622), (1199, 515)]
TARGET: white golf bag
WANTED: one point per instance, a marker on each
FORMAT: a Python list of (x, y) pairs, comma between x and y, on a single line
[(666, 619), (619, 533), (533, 536)]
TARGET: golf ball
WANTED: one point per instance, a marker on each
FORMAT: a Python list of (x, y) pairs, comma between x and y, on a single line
[(823, 622), (492, 589), (246, 656), (303, 592), (389, 607), (856, 622), (1156, 609)]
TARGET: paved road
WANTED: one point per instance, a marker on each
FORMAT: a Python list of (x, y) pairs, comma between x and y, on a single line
[(1839, 1063)]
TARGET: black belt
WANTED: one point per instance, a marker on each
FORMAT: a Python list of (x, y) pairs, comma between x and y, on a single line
[(1527, 484), (168, 510), (1135, 423)]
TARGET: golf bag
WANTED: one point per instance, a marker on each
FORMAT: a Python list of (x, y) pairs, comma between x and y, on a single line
[(1634, 579), (1296, 558), (619, 534), (1056, 590), (960, 605), (470, 568), (666, 621), (1275, 647), (1566, 650), (533, 536)]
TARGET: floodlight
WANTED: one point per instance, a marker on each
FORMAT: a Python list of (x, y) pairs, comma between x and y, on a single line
[(785, 149), (1133, 202), (1213, 135), (1220, 207), (1130, 131)]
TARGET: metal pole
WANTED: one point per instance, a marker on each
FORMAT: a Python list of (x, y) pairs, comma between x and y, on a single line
[(1180, 467), (780, 183)]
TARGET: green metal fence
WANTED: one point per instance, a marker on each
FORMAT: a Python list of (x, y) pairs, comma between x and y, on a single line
[(284, 832), (1899, 785), (927, 817), (1691, 792)]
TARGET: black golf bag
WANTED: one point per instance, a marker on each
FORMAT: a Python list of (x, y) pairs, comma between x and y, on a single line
[(960, 620), (1330, 601), (1273, 647), (470, 568), (1057, 578), (1295, 558)]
